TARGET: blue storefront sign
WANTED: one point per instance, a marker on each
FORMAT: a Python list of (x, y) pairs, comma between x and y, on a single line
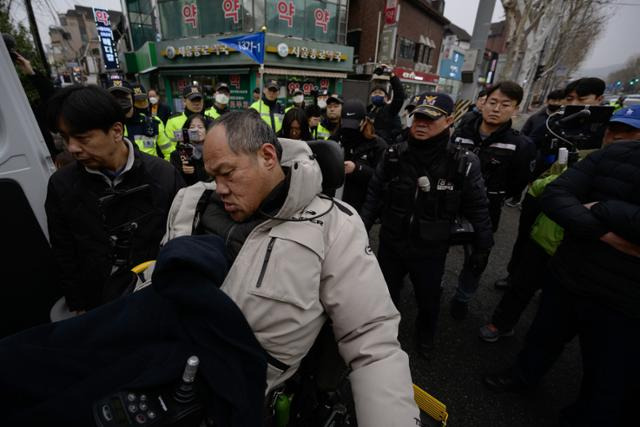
[(452, 68), (105, 35)]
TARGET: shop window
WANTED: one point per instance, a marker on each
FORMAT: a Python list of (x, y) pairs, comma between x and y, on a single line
[(407, 48)]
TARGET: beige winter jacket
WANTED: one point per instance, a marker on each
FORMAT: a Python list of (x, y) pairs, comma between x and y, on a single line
[(289, 276)]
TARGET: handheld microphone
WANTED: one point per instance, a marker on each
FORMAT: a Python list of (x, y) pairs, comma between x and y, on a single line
[(424, 184), (580, 114)]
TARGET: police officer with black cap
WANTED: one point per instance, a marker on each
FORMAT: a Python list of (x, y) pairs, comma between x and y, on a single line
[(421, 190), (220, 101), (268, 106), (193, 104), (362, 151), (145, 131)]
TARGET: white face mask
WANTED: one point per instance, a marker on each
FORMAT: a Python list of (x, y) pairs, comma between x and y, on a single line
[(221, 98), (153, 100), (298, 99), (322, 104)]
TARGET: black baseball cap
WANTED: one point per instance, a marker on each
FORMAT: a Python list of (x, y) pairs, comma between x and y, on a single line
[(433, 105), (139, 94), (353, 111), (335, 98), (297, 92), (118, 85), (323, 92), (222, 86), (192, 92), (272, 84)]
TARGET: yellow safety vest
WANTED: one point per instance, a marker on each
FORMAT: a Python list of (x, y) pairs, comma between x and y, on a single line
[(150, 144), (265, 113), (174, 123)]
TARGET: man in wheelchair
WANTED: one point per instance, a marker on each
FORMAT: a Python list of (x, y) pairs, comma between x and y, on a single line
[(298, 258)]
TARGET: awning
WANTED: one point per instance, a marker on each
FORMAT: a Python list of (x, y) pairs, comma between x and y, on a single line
[(299, 72)]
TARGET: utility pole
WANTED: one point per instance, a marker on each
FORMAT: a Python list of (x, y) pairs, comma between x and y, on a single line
[(36, 37), (481, 29)]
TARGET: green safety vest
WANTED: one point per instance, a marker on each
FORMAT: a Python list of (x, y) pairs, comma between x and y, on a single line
[(213, 113), (544, 231), (265, 113), (150, 144), (174, 123)]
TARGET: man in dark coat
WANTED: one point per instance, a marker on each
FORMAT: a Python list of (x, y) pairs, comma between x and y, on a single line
[(418, 190), (507, 160), (539, 118), (594, 290), (361, 152), (107, 210), (384, 109)]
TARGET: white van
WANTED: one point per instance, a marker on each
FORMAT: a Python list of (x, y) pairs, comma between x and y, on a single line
[(29, 284)]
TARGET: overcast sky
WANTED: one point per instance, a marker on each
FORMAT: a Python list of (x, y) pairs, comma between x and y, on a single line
[(617, 43)]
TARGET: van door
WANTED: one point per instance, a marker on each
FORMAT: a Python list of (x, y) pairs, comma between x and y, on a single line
[(28, 284)]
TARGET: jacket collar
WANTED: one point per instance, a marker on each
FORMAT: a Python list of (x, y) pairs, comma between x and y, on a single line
[(115, 179), (306, 177)]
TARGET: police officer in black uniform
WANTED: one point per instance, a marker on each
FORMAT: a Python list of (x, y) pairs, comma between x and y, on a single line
[(420, 189), (362, 151), (507, 160)]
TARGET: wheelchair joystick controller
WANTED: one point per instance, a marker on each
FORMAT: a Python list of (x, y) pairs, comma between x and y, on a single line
[(166, 405), (185, 393)]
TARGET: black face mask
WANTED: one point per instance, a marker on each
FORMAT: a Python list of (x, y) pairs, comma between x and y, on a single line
[(125, 104), (553, 108)]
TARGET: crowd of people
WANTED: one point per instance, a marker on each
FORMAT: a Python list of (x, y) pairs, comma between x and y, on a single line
[(137, 173)]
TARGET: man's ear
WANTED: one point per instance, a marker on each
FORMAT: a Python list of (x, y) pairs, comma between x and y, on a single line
[(449, 120), (118, 131), (600, 99), (269, 155)]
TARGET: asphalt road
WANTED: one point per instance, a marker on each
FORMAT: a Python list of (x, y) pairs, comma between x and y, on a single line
[(454, 372)]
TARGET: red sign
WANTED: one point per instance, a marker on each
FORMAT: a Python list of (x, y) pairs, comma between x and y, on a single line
[(390, 12), (286, 12), (324, 84), (415, 76), (293, 86), (234, 80), (189, 14), (230, 9), (102, 17), (307, 88), (322, 17), (390, 16)]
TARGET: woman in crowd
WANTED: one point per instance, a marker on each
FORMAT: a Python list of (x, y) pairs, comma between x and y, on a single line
[(187, 157)]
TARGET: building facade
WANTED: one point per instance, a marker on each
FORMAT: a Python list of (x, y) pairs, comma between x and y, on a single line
[(454, 48), (305, 47), (406, 33), (75, 50)]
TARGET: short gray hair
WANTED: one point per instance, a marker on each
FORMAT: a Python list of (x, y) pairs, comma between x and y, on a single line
[(247, 132)]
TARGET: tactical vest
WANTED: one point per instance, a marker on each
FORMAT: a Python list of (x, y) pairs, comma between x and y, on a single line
[(422, 202), (148, 135)]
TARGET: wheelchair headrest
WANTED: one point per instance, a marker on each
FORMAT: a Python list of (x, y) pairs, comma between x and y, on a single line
[(330, 157)]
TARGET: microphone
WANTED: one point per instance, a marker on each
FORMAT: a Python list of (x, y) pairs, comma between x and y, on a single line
[(424, 184), (580, 114)]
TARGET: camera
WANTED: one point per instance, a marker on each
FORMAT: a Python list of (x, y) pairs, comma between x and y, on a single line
[(576, 127), (381, 72)]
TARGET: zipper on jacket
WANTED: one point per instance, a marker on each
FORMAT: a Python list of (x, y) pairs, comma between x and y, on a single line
[(266, 261)]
